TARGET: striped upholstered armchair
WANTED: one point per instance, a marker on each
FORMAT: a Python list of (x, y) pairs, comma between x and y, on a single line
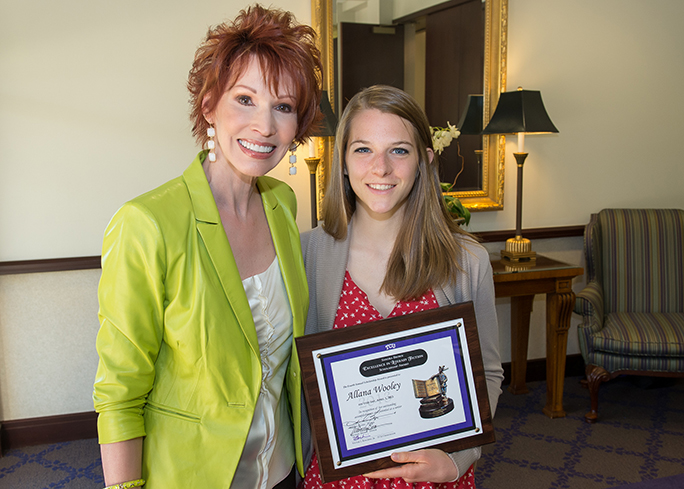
[(633, 305)]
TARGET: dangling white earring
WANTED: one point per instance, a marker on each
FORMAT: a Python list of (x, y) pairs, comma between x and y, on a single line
[(293, 159), (211, 132)]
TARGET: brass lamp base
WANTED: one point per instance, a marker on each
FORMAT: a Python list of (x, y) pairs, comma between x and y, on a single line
[(519, 249), (312, 163)]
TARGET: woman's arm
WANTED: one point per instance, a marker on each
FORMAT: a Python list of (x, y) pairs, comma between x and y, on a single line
[(122, 461), (481, 286), (131, 296)]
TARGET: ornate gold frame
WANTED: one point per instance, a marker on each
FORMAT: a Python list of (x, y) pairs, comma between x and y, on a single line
[(496, 30)]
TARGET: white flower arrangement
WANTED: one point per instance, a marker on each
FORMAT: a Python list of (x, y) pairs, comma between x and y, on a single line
[(442, 136)]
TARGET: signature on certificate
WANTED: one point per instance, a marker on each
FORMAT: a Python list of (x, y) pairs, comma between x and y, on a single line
[(367, 423), (364, 425)]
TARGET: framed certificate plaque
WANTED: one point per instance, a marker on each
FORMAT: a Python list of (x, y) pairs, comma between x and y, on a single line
[(398, 384)]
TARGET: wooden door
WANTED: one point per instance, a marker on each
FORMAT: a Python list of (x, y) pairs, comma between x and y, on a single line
[(454, 62), (370, 55)]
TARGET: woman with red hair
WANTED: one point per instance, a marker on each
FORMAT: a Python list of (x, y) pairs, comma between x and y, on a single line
[(203, 282)]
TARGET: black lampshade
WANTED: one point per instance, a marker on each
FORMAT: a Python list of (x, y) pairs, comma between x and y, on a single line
[(329, 123), (520, 111), (471, 119)]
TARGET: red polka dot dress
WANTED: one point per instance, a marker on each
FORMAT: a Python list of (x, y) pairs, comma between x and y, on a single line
[(354, 308)]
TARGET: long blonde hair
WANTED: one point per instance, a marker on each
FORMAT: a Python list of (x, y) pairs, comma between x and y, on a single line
[(425, 254)]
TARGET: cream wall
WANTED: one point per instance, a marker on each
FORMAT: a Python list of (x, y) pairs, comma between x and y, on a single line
[(48, 323), (93, 110), (610, 74)]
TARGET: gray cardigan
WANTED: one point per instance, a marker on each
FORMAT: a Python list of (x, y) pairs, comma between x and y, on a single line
[(325, 260)]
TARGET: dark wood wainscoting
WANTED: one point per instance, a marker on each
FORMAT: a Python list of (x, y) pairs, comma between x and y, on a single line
[(49, 429), (93, 262), (49, 265)]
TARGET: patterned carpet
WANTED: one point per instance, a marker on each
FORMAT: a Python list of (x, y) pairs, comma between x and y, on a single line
[(639, 437), (70, 465)]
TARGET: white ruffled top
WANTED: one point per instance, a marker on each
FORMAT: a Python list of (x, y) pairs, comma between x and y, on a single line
[(268, 455)]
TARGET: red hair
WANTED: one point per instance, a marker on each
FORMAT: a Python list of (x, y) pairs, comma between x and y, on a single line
[(283, 47)]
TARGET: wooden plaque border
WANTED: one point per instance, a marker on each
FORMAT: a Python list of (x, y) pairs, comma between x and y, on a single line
[(307, 344)]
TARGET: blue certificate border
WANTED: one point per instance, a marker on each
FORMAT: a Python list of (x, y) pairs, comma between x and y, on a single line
[(327, 361)]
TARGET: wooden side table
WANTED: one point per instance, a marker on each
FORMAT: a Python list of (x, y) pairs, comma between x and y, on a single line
[(521, 282)]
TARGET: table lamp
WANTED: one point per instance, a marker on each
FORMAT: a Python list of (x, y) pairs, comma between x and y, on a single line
[(471, 124), (326, 129), (471, 119), (520, 112)]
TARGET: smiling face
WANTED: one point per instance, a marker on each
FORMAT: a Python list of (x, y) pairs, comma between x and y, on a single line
[(254, 127), (381, 161)]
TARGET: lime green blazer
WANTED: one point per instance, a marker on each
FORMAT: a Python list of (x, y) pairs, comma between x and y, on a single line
[(179, 357)]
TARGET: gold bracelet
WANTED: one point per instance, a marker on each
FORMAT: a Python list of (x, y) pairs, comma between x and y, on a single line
[(128, 485)]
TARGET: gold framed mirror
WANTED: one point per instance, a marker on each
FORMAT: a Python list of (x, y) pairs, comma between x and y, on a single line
[(490, 196)]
